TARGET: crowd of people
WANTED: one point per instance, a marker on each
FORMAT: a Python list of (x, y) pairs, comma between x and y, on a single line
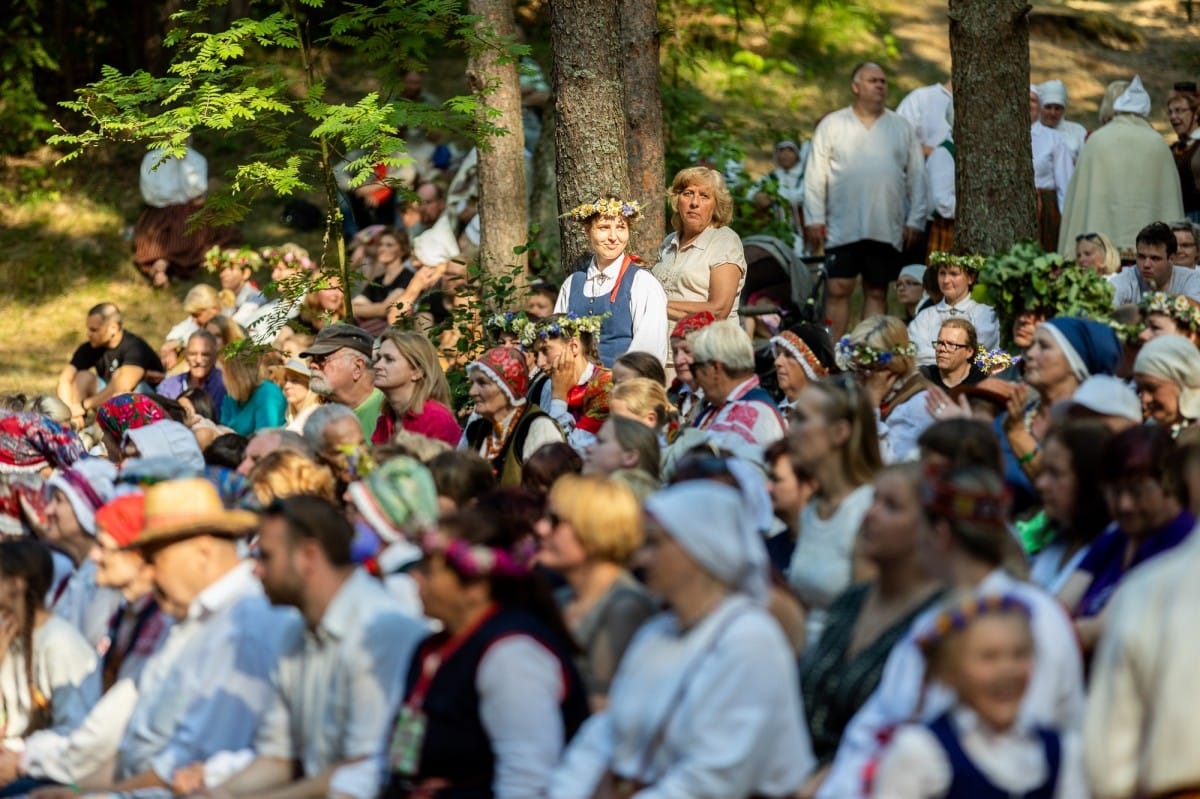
[(650, 554)]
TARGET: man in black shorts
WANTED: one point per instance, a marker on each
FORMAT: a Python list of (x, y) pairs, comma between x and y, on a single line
[(864, 196), (121, 362)]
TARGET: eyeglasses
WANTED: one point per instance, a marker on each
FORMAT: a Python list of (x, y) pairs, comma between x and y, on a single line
[(1087, 237), (319, 361), (949, 345)]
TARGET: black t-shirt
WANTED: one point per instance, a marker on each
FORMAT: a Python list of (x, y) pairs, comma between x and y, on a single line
[(131, 351), (378, 291)]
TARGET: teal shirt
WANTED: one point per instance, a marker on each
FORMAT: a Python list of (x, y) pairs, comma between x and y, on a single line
[(267, 407)]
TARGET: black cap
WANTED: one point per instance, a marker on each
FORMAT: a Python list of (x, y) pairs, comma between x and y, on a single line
[(336, 337)]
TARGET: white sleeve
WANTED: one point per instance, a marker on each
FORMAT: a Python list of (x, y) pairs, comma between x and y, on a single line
[(194, 174), (649, 309), (987, 327), (921, 332), (913, 767), (1064, 167), (579, 439), (939, 171), (66, 672), (586, 760), (71, 758), (816, 177), (520, 685), (1191, 287), (564, 295), (542, 432), (916, 184), (1122, 283), (1072, 781)]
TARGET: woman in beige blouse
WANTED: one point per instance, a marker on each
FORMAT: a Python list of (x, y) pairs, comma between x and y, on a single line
[(701, 265)]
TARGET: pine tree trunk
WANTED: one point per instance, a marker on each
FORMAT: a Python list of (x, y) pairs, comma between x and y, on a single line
[(989, 48), (543, 207), (644, 122), (502, 159), (590, 133)]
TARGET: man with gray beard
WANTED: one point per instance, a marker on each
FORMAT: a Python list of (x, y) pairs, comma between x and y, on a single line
[(340, 359)]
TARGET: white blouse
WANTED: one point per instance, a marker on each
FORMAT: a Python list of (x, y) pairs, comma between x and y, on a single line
[(708, 713), (924, 328), (1052, 161)]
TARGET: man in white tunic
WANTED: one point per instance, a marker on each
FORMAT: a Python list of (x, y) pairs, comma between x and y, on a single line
[(1053, 95), (1155, 247), (930, 109), (341, 678), (864, 196)]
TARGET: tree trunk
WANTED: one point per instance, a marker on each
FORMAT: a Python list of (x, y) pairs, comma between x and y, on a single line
[(502, 159), (590, 132), (989, 48), (543, 207), (644, 122)]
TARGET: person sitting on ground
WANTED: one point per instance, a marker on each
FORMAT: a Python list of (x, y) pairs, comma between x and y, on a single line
[(340, 359), (614, 286), (290, 265), (201, 304), (123, 362), (76, 494), (417, 395), (202, 371), (391, 272), (251, 402), (225, 331), (1095, 251), (266, 441), (1156, 246), (335, 437), (638, 364), (333, 703), (240, 297), (956, 275), (301, 399), (734, 402), (566, 350), (121, 414), (957, 349)]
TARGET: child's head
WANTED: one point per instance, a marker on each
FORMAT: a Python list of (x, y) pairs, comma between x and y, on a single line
[(542, 296), (983, 650)]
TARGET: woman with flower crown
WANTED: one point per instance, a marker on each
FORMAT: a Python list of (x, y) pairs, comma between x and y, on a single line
[(615, 284), (956, 276), (1169, 314), (565, 346), (878, 351), (701, 265)]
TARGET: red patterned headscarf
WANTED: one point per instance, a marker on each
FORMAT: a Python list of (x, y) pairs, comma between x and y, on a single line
[(128, 412), (506, 368), (690, 324), (30, 442)]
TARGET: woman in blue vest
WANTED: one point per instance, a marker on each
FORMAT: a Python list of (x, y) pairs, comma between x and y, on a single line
[(615, 283), (493, 698)]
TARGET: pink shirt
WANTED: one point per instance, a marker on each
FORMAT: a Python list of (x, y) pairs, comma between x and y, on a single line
[(435, 421)]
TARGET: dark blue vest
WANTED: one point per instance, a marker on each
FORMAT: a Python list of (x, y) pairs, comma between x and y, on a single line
[(616, 332), (968, 782), (456, 746)]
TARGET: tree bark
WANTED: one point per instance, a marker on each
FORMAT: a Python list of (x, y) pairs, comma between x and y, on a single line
[(644, 122), (495, 81), (989, 49), (590, 133), (543, 207)]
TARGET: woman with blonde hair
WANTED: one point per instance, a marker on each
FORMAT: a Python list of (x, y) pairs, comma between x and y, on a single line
[(701, 265), (592, 527), (286, 473), (1096, 251), (833, 439), (623, 444), (645, 401), (251, 402), (201, 304), (408, 372), (225, 331)]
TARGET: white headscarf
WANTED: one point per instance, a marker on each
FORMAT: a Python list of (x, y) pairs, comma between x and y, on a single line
[(1174, 358), (1135, 100), (711, 523)]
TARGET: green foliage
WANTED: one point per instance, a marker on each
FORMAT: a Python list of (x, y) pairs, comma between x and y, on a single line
[(236, 82), (23, 119), (1026, 278)]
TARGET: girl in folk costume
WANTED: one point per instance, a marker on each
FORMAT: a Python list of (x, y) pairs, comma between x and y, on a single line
[(509, 429), (956, 276), (566, 350), (615, 284), (980, 748), (883, 359)]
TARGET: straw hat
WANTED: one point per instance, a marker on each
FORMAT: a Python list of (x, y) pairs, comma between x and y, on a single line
[(179, 509)]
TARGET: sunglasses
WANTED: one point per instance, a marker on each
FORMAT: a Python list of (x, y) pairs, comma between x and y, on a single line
[(1087, 237)]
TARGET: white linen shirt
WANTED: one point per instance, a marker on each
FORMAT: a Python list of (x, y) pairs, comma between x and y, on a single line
[(337, 687), (939, 172), (85, 605), (1129, 286), (438, 244), (1074, 135), (915, 765), (1052, 162), (923, 330), (728, 693), (865, 183), (1140, 732), (928, 110), (64, 672), (648, 304), (174, 181), (207, 689), (1054, 697)]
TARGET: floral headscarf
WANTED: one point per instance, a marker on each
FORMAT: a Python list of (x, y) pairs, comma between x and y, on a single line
[(506, 368), (30, 442), (128, 412), (690, 324)]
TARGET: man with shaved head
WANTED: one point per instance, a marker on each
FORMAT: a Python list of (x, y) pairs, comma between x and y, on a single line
[(864, 195)]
